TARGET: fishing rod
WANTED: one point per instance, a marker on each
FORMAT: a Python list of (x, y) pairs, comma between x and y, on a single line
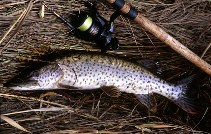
[(133, 14)]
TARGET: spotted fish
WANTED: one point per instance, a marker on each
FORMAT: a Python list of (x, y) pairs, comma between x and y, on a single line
[(112, 75)]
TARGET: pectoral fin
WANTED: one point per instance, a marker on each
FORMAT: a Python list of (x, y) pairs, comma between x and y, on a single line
[(68, 77), (64, 83), (66, 86), (111, 91), (148, 100), (63, 67)]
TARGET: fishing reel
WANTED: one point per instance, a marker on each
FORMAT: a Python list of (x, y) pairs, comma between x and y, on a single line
[(91, 26)]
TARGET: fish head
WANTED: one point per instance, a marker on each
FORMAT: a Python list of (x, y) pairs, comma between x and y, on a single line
[(45, 78)]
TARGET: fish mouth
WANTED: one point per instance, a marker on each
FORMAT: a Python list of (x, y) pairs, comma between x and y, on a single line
[(25, 85)]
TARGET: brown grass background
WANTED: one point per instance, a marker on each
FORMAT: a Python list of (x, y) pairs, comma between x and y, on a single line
[(189, 21)]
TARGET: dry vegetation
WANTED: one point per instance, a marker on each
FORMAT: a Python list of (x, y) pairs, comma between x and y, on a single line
[(94, 111)]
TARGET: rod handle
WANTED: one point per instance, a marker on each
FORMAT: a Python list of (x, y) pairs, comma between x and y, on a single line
[(160, 34)]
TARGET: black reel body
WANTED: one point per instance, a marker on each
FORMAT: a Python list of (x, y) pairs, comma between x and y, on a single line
[(95, 28), (90, 26)]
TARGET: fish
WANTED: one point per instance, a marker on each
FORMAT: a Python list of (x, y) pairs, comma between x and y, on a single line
[(87, 71)]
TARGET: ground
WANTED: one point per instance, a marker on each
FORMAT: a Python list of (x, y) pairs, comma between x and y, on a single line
[(93, 111)]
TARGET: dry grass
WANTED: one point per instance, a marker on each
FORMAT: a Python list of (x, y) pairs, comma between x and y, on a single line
[(95, 112)]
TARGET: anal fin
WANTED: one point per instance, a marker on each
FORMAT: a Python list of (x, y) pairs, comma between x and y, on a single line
[(148, 100), (111, 91)]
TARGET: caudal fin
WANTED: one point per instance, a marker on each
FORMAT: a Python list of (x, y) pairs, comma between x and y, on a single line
[(187, 96), (187, 104)]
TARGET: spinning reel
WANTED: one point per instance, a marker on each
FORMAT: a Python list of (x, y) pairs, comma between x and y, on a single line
[(90, 25)]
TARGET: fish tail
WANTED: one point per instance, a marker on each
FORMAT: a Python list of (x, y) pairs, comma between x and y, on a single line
[(187, 96)]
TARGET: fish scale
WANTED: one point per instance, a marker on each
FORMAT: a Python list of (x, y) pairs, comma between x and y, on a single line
[(91, 71)]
